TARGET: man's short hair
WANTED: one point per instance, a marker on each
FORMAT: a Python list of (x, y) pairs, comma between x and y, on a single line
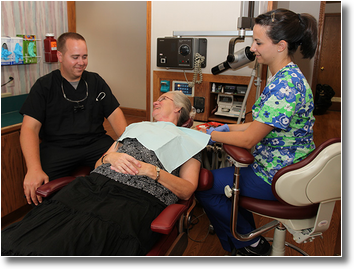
[(62, 40)]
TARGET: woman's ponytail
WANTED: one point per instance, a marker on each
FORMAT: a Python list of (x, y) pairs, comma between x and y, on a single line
[(309, 40)]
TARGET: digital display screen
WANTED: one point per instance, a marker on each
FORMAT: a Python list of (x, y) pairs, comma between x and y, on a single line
[(183, 86)]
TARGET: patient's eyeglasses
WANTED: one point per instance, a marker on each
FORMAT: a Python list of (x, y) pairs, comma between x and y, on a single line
[(162, 98)]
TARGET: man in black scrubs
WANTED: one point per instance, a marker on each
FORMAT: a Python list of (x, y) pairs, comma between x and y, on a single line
[(63, 119)]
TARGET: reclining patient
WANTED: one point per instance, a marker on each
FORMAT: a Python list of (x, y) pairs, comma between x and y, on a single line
[(109, 212)]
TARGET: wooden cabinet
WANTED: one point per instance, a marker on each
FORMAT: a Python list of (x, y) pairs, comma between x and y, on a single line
[(12, 171)]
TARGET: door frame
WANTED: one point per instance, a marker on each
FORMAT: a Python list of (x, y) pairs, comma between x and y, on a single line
[(316, 64)]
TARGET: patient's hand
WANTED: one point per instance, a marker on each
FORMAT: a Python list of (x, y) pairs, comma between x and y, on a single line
[(147, 169), (143, 169), (123, 163)]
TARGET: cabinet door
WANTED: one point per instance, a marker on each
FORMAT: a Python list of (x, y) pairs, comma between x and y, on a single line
[(12, 173)]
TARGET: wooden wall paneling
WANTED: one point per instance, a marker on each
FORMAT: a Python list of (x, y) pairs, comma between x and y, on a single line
[(12, 173)]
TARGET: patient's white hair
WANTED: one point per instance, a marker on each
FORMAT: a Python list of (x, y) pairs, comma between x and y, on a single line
[(182, 101)]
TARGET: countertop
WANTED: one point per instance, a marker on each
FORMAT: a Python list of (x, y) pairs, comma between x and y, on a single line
[(10, 107)]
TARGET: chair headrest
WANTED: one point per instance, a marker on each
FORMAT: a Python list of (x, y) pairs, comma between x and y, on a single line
[(188, 123)]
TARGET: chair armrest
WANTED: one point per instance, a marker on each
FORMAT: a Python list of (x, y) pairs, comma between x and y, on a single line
[(57, 184), (206, 180), (167, 219), (240, 155), (53, 186)]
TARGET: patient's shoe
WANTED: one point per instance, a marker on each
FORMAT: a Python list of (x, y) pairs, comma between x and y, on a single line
[(262, 249)]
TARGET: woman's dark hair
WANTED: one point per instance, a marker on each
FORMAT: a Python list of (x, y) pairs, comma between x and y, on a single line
[(296, 29)]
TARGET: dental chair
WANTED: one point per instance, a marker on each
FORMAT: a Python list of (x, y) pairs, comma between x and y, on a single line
[(306, 193), (172, 222)]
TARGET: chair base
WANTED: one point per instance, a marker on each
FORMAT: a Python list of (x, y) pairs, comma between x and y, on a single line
[(303, 253), (279, 243)]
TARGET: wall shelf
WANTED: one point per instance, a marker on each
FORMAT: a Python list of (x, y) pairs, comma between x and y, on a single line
[(12, 57)]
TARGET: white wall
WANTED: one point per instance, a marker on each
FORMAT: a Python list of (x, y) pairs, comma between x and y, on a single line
[(115, 32)]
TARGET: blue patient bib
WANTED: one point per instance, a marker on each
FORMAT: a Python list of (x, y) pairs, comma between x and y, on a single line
[(172, 145)]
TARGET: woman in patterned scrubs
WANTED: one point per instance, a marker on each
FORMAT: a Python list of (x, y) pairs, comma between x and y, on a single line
[(281, 130)]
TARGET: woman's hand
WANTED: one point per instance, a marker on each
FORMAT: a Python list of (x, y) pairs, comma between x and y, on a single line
[(138, 167), (148, 170), (123, 163), (222, 128)]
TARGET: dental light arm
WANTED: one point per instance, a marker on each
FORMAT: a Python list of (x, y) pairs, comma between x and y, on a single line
[(230, 57)]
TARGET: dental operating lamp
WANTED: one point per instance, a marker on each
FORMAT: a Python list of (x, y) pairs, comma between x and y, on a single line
[(234, 59)]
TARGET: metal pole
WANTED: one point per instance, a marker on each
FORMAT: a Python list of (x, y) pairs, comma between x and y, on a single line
[(234, 211)]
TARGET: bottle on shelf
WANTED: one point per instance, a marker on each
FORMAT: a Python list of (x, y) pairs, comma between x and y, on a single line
[(50, 48)]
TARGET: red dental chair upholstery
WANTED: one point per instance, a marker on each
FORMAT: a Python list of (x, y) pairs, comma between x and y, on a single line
[(53, 186), (306, 193), (171, 223)]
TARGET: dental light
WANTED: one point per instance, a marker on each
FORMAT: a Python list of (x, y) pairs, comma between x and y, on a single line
[(234, 59)]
